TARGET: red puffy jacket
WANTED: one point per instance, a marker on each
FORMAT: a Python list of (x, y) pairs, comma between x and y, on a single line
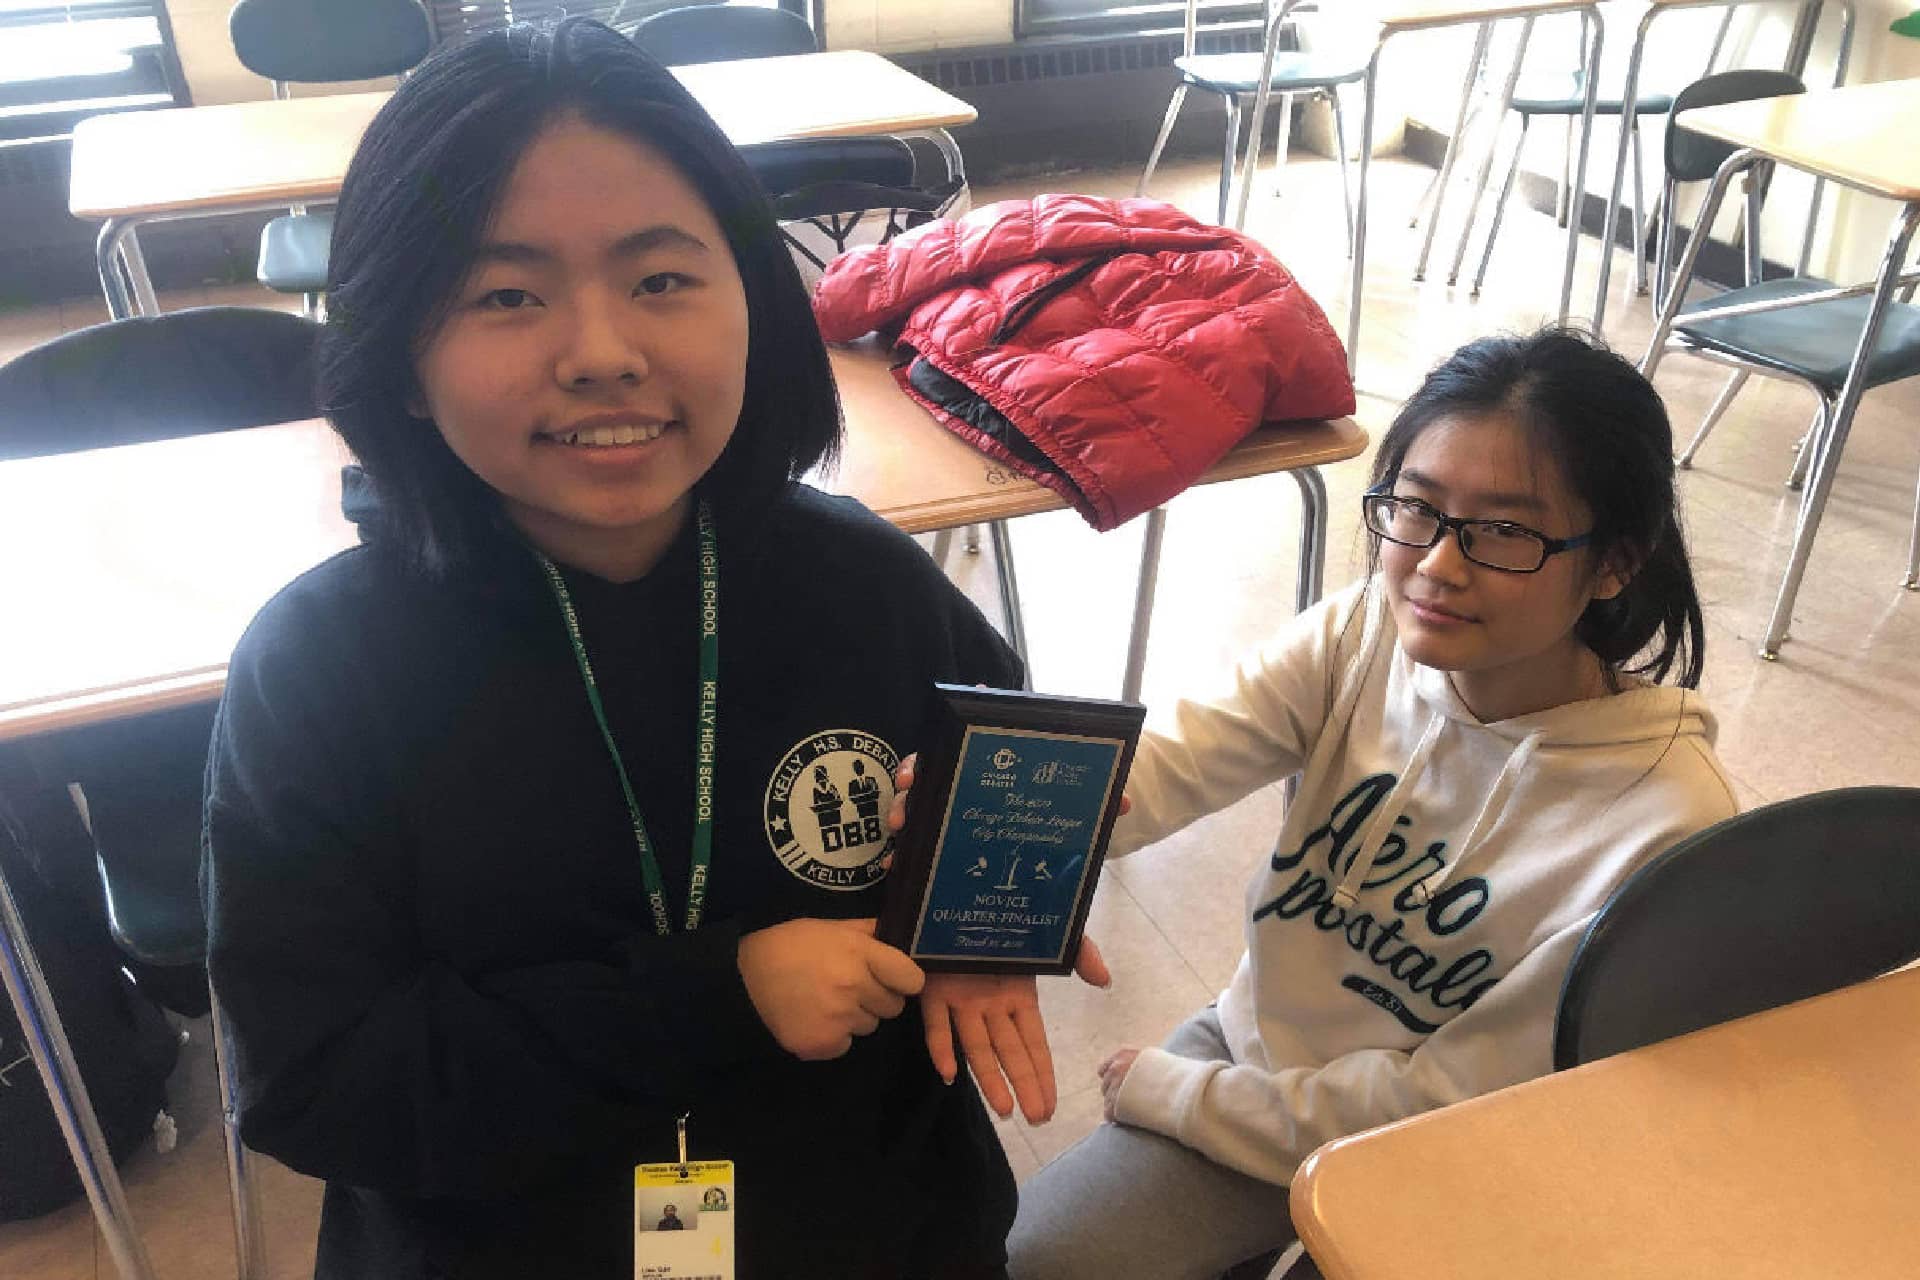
[(1111, 349)]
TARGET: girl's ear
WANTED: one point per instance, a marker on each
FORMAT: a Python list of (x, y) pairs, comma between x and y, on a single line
[(1615, 572)]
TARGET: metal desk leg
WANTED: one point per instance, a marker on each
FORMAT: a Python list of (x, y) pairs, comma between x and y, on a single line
[(117, 246), (1577, 189), (1819, 184), (1009, 590), (1483, 35), (1912, 580), (144, 300), (1629, 103), (1359, 276), (950, 152), (243, 1190), (1827, 461), (47, 1041), (1156, 533), (107, 260), (1313, 538), (1493, 147), (1313, 561)]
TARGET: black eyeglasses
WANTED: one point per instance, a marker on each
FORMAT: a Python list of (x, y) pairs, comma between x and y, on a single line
[(1497, 544)]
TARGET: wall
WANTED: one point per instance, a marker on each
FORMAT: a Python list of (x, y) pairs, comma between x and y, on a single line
[(917, 25), (1858, 225)]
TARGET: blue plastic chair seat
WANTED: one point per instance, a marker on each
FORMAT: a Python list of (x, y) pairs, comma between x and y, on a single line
[(1814, 342), (1564, 95), (293, 253), (1292, 72)]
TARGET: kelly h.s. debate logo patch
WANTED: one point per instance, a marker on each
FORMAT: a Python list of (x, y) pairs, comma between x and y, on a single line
[(826, 808)]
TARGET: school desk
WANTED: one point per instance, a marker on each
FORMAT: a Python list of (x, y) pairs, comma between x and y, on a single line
[(1859, 137), (133, 168), (131, 572), (1778, 1147)]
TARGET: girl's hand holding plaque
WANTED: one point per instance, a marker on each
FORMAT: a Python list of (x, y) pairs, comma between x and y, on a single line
[(994, 1017)]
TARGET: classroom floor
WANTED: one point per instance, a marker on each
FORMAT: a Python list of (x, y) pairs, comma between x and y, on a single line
[(1839, 709)]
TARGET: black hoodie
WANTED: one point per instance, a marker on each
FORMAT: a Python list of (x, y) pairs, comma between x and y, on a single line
[(429, 933)]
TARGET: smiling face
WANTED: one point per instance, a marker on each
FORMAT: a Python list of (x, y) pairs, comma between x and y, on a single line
[(1506, 639), (592, 366)]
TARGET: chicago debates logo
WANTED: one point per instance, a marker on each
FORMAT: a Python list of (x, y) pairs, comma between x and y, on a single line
[(826, 808)]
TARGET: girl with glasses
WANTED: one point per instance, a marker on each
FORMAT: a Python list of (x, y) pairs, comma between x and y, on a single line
[(525, 825), (1489, 734)]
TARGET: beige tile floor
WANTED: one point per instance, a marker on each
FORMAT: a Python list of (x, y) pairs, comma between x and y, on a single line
[(1839, 709)]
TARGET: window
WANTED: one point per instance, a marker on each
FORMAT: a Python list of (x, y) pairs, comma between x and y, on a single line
[(62, 62), (1070, 17)]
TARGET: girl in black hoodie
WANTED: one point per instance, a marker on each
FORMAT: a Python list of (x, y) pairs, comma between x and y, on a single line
[(513, 855)]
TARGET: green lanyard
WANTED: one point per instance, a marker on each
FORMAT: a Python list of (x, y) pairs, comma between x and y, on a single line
[(705, 729)]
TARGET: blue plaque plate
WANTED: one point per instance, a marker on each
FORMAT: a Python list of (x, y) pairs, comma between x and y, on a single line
[(1012, 806)]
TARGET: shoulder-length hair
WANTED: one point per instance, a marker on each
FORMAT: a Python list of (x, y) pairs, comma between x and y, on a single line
[(417, 200)]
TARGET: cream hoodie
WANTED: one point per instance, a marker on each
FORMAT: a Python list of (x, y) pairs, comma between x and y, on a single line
[(1407, 938)]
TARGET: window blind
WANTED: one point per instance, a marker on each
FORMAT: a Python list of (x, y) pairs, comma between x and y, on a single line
[(22, 13)]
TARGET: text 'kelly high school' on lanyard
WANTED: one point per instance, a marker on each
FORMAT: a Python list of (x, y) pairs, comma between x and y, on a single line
[(705, 729)]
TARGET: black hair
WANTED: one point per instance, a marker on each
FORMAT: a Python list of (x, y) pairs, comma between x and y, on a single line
[(414, 208), (1607, 430)]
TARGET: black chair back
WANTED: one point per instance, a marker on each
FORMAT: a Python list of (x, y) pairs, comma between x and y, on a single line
[(314, 41), (1770, 907), (158, 377), (722, 32), (1693, 157)]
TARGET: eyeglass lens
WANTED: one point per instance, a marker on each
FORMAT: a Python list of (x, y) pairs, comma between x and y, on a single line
[(1491, 543)]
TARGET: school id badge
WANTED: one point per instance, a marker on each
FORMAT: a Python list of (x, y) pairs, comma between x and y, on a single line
[(683, 1221), (683, 1216)]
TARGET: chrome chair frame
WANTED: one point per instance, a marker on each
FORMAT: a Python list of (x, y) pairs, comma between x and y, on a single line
[(1370, 82), (1828, 441), (1629, 97), (1565, 200), (1329, 93)]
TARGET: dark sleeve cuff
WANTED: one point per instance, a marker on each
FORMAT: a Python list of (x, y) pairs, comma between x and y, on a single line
[(703, 1000)]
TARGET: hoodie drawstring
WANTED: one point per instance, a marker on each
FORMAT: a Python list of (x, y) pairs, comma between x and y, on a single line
[(1389, 812), (1423, 891)]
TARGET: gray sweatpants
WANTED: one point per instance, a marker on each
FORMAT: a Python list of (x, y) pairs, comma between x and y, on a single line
[(1129, 1204)]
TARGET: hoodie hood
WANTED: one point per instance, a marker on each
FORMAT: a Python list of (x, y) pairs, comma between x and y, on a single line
[(499, 574), (502, 572)]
